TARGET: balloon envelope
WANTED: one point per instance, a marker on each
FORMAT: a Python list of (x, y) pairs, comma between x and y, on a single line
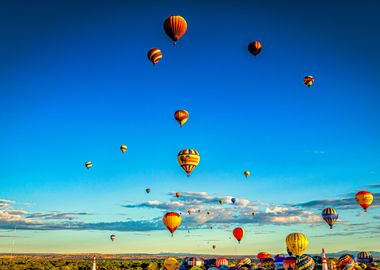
[(171, 264), (238, 233), (188, 159), (297, 243), (172, 220), (175, 27), (330, 215), (364, 199), (181, 116)]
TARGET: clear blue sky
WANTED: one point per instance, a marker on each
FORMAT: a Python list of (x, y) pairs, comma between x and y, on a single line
[(75, 84)]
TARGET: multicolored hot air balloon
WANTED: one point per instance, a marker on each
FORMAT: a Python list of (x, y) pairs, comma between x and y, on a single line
[(195, 261), (297, 243), (289, 263), (221, 261), (171, 264), (233, 200), (154, 55), (262, 255), (255, 48), (244, 261), (188, 159), (178, 194), (364, 257), (346, 262), (305, 262), (123, 148), (181, 116), (88, 164), (267, 263), (172, 220), (147, 190), (308, 80), (175, 27), (289, 252), (332, 263), (238, 233), (365, 199), (279, 262), (330, 215), (247, 173), (113, 237)]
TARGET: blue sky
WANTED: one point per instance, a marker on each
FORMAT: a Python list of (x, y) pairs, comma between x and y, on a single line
[(75, 84)]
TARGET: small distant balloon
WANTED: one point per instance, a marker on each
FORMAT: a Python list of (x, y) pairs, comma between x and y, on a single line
[(88, 164), (247, 173), (181, 116), (154, 55), (233, 200), (178, 194), (123, 148), (330, 215), (113, 237), (308, 80), (253, 214), (255, 48), (147, 190)]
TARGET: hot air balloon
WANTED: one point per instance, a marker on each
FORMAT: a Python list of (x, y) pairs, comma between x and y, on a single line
[(195, 261), (332, 263), (171, 264), (330, 215), (189, 212), (365, 199), (297, 243), (308, 80), (154, 55), (233, 200), (181, 116), (253, 214), (255, 48), (147, 190), (208, 213), (305, 262), (289, 263), (346, 262), (267, 263), (177, 194), (175, 27), (279, 262), (262, 255), (221, 201), (238, 234), (213, 246), (244, 261), (188, 159), (364, 257), (113, 237), (221, 261), (123, 148), (172, 220), (247, 173), (88, 164)]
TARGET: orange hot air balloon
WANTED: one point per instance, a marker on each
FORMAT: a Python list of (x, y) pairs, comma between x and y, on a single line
[(175, 27), (255, 48), (247, 173), (181, 116), (238, 234), (178, 194), (172, 220), (189, 212), (308, 80), (154, 55), (365, 199), (262, 255)]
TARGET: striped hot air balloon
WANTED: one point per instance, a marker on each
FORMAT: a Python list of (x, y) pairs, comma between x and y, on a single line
[(175, 27), (297, 243), (364, 257), (255, 48), (188, 159), (330, 215), (88, 164), (308, 80), (195, 261), (221, 261), (346, 262), (245, 261), (154, 55), (172, 220), (123, 148), (267, 263), (238, 233), (305, 262), (181, 116), (365, 199)]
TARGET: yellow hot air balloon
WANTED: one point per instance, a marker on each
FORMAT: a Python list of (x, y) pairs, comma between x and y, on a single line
[(171, 264), (297, 243), (88, 164), (172, 220), (247, 173), (123, 148), (188, 159)]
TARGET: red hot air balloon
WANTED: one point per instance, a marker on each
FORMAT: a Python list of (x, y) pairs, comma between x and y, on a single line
[(238, 234)]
